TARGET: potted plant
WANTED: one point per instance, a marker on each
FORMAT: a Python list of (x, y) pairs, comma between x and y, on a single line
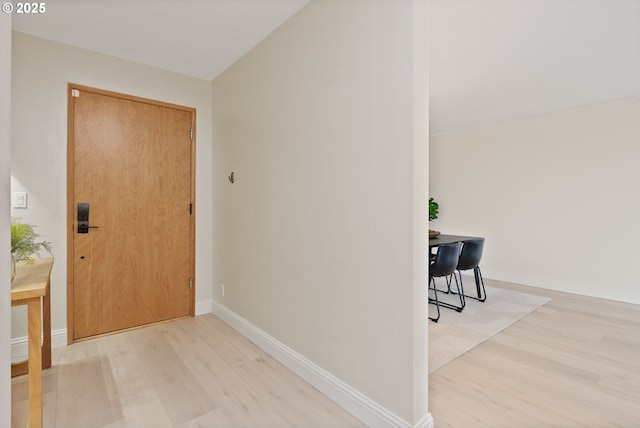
[(25, 243), (433, 214)]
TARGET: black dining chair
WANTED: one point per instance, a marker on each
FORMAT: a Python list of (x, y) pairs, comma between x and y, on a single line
[(470, 259), (444, 265)]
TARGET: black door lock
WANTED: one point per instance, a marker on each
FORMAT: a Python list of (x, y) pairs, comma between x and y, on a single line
[(83, 218)]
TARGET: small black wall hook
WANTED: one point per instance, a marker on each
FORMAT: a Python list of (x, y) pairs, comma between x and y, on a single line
[(231, 179)]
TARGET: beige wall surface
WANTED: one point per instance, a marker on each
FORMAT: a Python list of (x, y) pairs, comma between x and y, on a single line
[(5, 240), (420, 211), (316, 239), (556, 196), (41, 71)]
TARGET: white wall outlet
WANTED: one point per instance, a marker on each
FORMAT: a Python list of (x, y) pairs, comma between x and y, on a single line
[(222, 289)]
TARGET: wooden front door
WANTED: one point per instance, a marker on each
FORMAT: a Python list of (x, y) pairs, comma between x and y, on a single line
[(132, 161)]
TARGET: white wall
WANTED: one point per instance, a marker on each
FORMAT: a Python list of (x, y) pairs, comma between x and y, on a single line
[(320, 241), (42, 69), (556, 196), (5, 240), (420, 173)]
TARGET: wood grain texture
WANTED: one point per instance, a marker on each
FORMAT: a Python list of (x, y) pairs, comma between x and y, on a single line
[(190, 373), (35, 363), (34, 280), (133, 163), (31, 280), (575, 362), (572, 363), (31, 284)]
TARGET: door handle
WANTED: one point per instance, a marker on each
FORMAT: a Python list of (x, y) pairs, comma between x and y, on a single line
[(83, 218)]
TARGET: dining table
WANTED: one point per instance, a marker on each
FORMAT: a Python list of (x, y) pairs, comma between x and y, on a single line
[(449, 239)]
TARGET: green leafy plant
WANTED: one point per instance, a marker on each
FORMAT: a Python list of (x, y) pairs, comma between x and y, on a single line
[(433, 209), (25, 241)]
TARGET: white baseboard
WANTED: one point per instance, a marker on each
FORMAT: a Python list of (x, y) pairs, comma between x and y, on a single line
[(426, 422), (20, 350), (363, 408), (565, 286), (19, 347), (204, 307)]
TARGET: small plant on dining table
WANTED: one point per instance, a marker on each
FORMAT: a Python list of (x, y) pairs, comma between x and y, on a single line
[(433, 214), (433, 209)]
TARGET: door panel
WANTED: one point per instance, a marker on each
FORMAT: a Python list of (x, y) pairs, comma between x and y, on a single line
[(132, 163)]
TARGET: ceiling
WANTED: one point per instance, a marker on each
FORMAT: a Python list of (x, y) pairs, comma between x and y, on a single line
[(490, 60), (198, 38), (497, 60)]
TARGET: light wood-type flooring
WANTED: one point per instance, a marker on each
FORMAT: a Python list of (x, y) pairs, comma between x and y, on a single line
[(190, 373), (574, 362)]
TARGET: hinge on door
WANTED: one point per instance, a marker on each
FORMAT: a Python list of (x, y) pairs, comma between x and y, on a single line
[(190, 283), (190, 209), (191, 134), (75, 93)]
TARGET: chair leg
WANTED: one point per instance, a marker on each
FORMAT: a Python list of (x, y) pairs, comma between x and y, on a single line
[(460, 294), (480, 290), (449, 284), (482, 296), (448, 290), (434, 300), (460, 288)]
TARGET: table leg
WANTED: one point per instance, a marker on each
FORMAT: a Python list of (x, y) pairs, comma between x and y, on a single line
[(46, 330), (22, 367), (35, 363)]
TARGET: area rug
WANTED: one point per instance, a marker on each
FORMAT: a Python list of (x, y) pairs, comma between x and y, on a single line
[(458, 332)]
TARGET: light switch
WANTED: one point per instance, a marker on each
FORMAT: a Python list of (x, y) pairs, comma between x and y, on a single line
[(19, 199)]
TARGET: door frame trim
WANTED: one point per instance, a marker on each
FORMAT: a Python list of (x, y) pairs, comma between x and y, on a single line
[(71, 221)]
